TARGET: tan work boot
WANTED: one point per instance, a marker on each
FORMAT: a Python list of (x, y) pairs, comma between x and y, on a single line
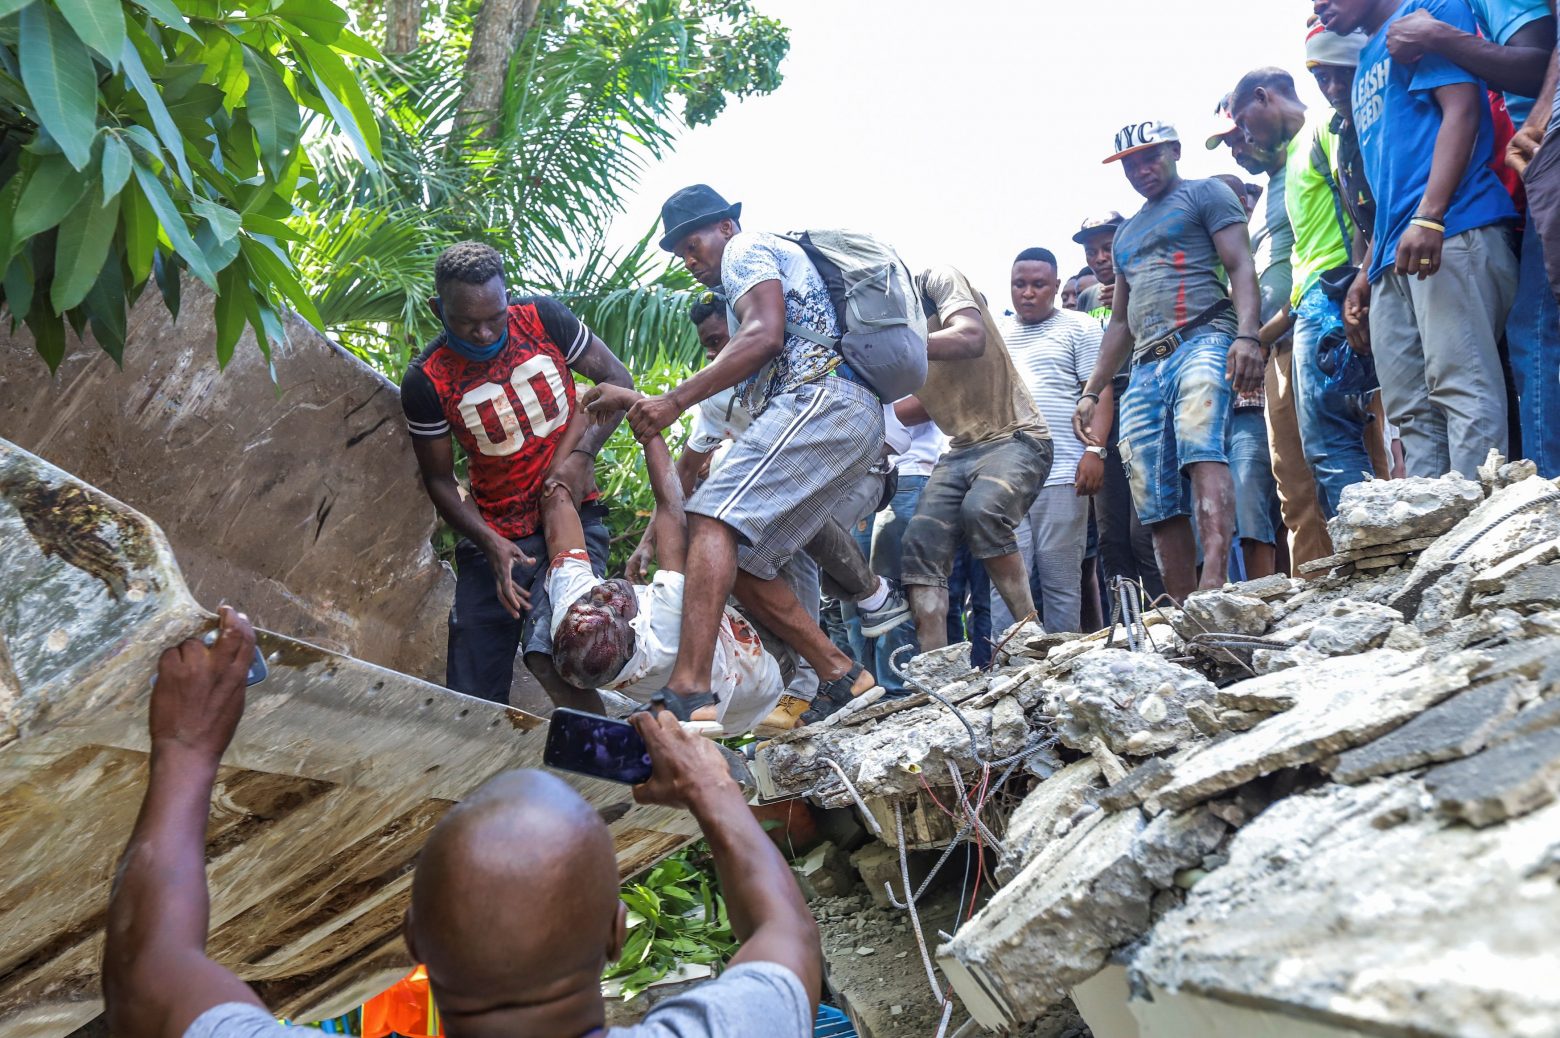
[(786, 715)]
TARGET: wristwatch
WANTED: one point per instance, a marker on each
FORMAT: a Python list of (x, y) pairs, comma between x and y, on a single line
[(1098, 452)]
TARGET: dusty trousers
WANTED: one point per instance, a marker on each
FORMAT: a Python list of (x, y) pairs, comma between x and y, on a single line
[(1434, 342)]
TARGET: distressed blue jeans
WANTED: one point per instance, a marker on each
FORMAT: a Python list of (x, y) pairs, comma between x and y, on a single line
[(1533, 339), (1332, 425)]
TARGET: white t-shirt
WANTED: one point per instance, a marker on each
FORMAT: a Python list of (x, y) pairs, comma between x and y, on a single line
[(919, 456), (1055, 359), (745, 677)]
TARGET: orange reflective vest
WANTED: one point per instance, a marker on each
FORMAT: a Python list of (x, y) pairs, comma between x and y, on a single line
[(405, 1008)]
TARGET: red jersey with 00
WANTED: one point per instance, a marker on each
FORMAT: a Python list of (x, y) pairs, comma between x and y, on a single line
[(508, 414)]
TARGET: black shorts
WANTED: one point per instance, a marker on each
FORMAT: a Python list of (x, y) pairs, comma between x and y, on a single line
[(483, 636)]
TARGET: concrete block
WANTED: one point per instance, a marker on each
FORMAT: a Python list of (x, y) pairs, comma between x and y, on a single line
[(1035, 822), (1413, 927), (1135, 703), (1455, 728), (1346, 701), (1377, 512), (825, 871), (1505, 781)]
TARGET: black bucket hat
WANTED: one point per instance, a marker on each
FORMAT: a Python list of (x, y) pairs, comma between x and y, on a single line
[(691, 208)]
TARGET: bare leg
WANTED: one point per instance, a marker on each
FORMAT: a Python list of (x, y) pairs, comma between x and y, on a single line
[(1176, 551), (1260, 557), (712, 569), (929, 604), (1010, 577), (1213, 499), (1090, 615), (560, 691), (775, 605)]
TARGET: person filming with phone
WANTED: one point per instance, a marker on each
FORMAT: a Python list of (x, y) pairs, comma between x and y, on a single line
[(514, 906)]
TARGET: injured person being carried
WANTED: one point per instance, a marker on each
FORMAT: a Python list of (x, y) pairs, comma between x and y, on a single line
[(622, 637)]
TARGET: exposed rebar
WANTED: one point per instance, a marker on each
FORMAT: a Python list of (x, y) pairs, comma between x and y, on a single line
[(915, 918), (851, 789)]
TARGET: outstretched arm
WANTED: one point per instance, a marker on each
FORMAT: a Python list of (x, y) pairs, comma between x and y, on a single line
[(669, 525), (768, 913), (760, 336), (577, 468), (156, 976)]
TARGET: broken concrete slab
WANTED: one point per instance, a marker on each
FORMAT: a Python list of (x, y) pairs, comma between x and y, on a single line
[(1385, 512), (1406, 927), (1038, 819), (1135, 703), (1535, 717), (1054, 925), (1496, 577), (1224, 612), (1049, 930), (1455, 728), (285, 485), (1532, 587), (1338, 704), (338, 771), (1504, 782), (1349, 627), (1140, 782), (1275, 693), (1509, 522)]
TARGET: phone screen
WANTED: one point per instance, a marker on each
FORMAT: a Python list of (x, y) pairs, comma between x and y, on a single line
[(600, 747)]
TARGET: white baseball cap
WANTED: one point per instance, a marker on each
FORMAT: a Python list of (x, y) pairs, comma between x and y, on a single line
[(1138, 136)]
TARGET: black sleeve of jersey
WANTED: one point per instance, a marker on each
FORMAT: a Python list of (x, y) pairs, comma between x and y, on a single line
[(420, 404), (567, 331)]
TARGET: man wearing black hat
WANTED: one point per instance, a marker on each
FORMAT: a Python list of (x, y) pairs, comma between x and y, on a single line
[(816, 432)]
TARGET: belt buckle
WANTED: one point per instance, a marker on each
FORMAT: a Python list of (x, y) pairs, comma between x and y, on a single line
[(1164, 348)]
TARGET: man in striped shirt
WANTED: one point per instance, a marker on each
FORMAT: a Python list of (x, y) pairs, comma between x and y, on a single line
[(1054, 350)]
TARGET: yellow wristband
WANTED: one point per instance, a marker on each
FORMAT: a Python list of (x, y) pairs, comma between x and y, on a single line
[(1428, 224)]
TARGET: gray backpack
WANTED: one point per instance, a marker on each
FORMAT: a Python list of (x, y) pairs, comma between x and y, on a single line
[(879, 309)]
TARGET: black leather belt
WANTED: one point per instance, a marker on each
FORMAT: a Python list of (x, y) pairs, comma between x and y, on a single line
[(1165, 345)]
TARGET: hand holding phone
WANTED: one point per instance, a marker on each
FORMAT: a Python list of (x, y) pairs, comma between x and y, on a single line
[(589, 744), (688, 767)]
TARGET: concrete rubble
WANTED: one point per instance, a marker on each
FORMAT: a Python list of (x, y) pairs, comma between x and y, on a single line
[(337, 773), (1321, 807)]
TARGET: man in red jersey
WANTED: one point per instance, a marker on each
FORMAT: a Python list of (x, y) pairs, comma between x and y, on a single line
[(500, 380)]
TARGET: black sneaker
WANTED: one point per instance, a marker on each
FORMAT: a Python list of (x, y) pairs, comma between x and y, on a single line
[(893, 612)]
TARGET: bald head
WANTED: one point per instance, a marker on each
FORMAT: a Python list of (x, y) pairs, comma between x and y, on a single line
[(515, 904)]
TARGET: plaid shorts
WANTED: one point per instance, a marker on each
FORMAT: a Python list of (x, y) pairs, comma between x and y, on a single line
[(783, 478)]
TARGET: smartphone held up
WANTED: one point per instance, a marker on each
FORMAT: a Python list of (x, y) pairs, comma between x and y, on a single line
[(601, 747)]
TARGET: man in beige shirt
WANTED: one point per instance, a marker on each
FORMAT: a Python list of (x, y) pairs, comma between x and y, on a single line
[(998, 458)]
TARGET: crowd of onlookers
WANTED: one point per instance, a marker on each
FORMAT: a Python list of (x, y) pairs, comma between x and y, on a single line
[(1187, 407)]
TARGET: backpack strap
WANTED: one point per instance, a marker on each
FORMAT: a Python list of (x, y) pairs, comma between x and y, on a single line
[(811, 336), (1320, 163)]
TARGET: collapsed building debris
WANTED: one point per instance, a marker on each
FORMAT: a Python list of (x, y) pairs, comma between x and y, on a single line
[(1328, 800), (336, 775)]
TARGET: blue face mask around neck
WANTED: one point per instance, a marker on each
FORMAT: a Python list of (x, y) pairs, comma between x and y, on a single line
[(471, 351)]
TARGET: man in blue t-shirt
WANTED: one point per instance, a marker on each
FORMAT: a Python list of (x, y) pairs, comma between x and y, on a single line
[(1511, 53), (1440, 275)]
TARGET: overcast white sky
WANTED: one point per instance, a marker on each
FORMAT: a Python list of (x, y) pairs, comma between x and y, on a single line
[(965, 132)]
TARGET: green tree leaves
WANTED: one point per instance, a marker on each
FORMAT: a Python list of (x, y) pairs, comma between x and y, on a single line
[(100, 24), (60, 79), (273, 111), (151, 138)]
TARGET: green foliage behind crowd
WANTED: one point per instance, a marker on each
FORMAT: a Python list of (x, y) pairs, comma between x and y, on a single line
[(268, 150)]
